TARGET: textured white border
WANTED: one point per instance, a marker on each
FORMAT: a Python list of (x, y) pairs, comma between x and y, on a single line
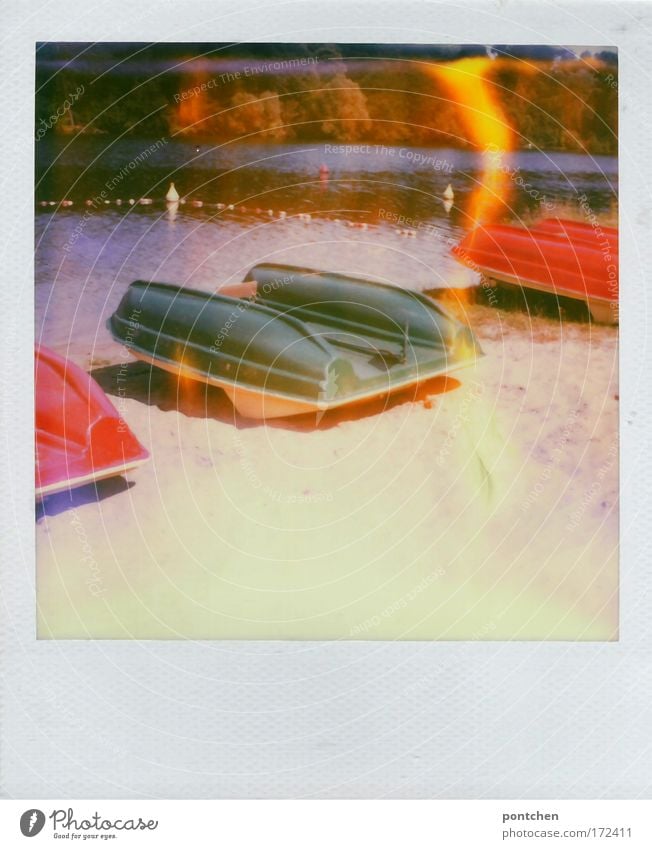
[(519, 720)]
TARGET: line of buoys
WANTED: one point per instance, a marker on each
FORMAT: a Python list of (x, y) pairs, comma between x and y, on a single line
[(170, 198), (282, 215), (196, 203)]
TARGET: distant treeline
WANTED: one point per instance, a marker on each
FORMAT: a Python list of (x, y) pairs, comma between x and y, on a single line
[(297, 93)]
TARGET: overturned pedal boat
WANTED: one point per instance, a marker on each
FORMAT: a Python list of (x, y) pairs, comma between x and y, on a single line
[(568, 259), (291, 340), (80, 436)]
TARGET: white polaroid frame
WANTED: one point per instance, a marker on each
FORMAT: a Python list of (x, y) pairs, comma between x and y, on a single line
[(103, 719)]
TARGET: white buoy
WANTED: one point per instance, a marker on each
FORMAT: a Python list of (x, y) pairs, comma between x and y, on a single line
[(448, 205), (173, 195), (449, 194), (131, 201)]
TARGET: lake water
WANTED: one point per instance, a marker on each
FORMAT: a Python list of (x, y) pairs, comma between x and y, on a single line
[(379, 214)]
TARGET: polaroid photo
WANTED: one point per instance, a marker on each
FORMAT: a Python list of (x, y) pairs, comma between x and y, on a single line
[(336, 394), (326, 341)]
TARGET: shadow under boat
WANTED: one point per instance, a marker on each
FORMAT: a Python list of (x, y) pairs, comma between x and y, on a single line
[(291, 342), (78, 496), (153, 386), (514, 299)]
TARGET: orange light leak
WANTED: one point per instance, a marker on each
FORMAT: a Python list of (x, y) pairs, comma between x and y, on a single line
[(188, 389), (486, 127), (467, 84), (192, 110)]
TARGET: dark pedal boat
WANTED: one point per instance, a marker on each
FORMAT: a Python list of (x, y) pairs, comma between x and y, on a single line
[(568, 259), (80, 437), (292, 340)]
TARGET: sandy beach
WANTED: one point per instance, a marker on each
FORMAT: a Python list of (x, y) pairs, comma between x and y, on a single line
[(483, 506)]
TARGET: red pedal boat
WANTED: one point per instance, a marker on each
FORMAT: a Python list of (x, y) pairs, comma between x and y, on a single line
[(80, 437), (564, 258)]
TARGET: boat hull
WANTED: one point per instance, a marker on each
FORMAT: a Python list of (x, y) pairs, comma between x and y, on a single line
[(261, 404), (562, 258), (80, 436), (290, 341)]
